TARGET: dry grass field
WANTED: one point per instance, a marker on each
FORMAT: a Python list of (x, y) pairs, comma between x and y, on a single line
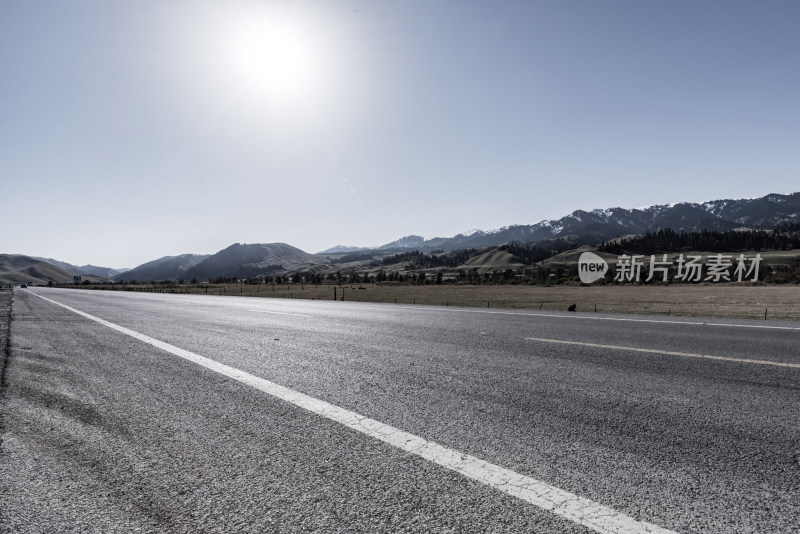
[(743, 301)]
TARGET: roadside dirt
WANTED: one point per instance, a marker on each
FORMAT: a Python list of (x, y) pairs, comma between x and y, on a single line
[(5, 326)]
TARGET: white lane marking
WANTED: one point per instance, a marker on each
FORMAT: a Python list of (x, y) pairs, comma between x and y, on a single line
[(755, 326), (280, 313), (563, 503), (669, 352)]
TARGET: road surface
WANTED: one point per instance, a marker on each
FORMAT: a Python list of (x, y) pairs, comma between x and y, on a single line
[(133, 412)]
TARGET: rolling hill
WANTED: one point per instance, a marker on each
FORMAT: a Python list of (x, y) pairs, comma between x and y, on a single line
[(246, 261), (491, 259), (19, 269), (166, 268), (91, 270)]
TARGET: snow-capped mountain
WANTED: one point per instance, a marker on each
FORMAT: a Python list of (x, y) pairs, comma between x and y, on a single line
[(603, 224)]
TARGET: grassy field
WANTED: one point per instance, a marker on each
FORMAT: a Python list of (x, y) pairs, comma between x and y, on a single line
[(743, 301)]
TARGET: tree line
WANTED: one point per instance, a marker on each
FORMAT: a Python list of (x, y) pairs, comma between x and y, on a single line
[(783, 237)]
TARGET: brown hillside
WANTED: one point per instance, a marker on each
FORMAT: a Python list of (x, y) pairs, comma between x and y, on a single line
[(17, 269), (492, 260)]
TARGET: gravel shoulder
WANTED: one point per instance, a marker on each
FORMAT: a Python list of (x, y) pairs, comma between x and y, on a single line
[(5, 328)]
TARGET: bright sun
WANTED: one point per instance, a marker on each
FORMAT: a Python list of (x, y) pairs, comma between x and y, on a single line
[(273, 63), (279, 63)]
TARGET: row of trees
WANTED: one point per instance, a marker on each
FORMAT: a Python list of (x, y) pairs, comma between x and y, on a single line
[(783, 237), (469, 276), (419, 260), (529, 254)]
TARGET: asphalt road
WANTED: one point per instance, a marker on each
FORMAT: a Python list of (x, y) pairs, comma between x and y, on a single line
[(103, 432)]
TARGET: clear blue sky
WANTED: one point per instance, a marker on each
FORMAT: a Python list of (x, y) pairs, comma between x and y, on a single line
[(138, 129)]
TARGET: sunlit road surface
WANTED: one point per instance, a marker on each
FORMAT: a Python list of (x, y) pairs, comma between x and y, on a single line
[(128, 412)]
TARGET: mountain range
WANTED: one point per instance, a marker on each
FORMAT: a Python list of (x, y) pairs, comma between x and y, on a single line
[(579, 227), (239, 260), (592, 227)]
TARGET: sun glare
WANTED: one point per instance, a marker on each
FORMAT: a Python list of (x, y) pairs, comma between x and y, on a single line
[(278, 63), (274, 65)]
